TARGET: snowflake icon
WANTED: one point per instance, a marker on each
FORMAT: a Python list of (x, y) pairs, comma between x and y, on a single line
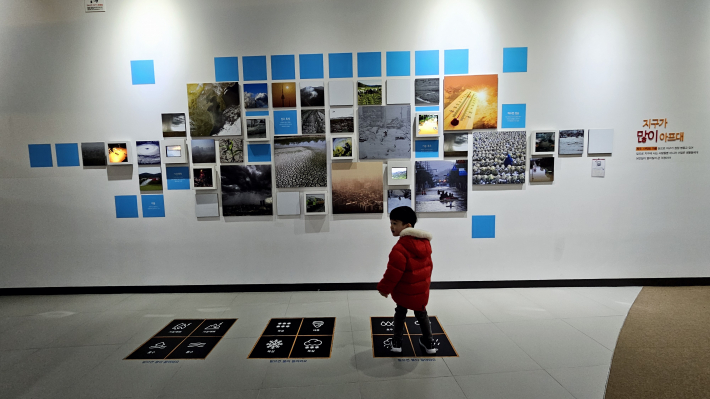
[(274, 344)]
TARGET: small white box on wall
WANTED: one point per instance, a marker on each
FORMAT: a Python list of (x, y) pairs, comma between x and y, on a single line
[(174, 150)]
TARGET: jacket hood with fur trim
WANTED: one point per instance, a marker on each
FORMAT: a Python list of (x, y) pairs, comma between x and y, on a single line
[(416, 242), (410, 231)]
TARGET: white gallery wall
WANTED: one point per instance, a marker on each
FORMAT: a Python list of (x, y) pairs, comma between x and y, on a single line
[(65, 78)]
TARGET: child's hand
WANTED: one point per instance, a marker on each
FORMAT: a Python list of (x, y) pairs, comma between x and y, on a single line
[(384, 295)]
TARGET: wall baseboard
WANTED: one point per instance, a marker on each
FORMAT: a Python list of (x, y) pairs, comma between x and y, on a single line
[(436, 285)]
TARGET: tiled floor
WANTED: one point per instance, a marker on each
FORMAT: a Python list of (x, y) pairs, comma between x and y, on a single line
[(512, 343)]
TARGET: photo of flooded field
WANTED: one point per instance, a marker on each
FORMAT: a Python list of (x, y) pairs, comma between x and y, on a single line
[(470, 102), (174, 125), (150, 179), (456, 145), (571, 142), (542, 169), (246, 190), (256, 95), (397, 198), (312, 94), (214, 109), (301, 161), (426, 91), (231, 150), (342, 120), (283, 95), (93, 154), (441, 186), (256, 128), (498, 157), (313, 121), (148, 152), (369, 92), (357, 187), (385, 132)]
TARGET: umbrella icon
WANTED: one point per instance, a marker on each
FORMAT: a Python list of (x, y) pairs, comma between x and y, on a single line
[(318, 324)]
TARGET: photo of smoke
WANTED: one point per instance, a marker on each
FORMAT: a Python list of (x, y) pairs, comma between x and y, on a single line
[(498, 157), (357, 187), (441, 186), (174, 125), (385, 132), (426, 91), (246, 190), (312, 94), (203, 151), (214, 109), (571, 142), (456, 145), (300, 161), (256, 95)]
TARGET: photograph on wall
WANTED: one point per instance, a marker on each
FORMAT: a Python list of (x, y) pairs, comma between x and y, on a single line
[(544, 142), (470, 102), (598, 167), (231, 150), (426, 92), (441, 186), (498, 157), (256, 128), (342, 120), (571, 142), (397, 198), (343, 147), (203, 151), (456, 145), (256, 95), (315, 203), (203, 178), (150, 178), (385, 132), (399, 173), (148, 152), (369, 92), (283, 95), (542, 169), (428, 125), (313, 121), (93, 154), (246, 190), (117, 152), (214, 109), (300, 161), (174, 125), (357, 187), (312, 94)]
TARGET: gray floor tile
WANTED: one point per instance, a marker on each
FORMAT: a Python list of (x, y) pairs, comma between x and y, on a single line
[(424, 388), (617, 298), (361, 311), (519, 385), (42, 331), (500, 305), (266, 298), (565, 303), (454, 310), (9, 358), (604, 330), (335, 391), (147, 302), (583, 382), (319, 296)]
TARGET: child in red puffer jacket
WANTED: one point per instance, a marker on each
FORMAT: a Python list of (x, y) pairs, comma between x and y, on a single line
[(408, 276)]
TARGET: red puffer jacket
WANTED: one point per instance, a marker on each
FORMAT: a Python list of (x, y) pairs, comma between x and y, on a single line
[(408, 272)]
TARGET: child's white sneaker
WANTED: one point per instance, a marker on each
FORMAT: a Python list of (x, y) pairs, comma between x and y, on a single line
[(396, 345), (428, 346)]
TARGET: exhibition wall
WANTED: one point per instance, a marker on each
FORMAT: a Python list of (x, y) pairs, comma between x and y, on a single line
[(65, 77)]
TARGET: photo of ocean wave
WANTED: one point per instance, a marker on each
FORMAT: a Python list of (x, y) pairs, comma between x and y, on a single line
[(148, 152)]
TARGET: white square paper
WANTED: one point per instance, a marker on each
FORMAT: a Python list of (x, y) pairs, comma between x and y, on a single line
[(341, 92), (206, 205), (288, 203), (601, 141), (399, 91)]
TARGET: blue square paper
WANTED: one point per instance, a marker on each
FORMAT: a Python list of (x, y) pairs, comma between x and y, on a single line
[(513, 116), (257, 113), (455, 62), (285, 122), (153, 206), (369, 65), (398, 63), (426, 62), (41, 156), (178, 177), (340, 65), (142, 72), (428, 108), (226, 69), (259, 153), (515, 59), (67, 154), (483, 226), (311, 66), (254, 67), (126, 206), (283, 67), (426, 149)]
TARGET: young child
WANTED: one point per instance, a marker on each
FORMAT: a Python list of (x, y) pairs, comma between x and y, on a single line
[(408, 276)]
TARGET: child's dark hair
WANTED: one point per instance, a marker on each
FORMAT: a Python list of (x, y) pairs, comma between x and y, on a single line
[(404, 214)]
